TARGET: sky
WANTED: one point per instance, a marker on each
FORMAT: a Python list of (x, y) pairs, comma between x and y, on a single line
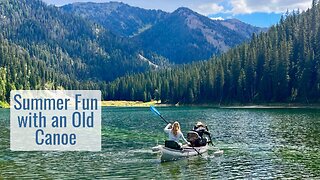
[(262, 13)]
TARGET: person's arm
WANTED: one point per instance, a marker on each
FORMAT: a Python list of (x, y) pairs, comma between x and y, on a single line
[(184, 139), (207, 132), (204, 131), (167, 129)]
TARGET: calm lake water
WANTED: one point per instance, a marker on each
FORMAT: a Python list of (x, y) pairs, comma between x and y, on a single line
[(257, 143)]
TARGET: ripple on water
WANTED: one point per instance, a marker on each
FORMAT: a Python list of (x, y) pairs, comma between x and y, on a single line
[(261, 144)]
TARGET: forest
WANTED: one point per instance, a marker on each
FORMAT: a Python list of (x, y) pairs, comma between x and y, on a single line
[(42, 47), (281, 65)]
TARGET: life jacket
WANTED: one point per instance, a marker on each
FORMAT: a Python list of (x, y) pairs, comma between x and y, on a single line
[(192, 136), (195, 140)]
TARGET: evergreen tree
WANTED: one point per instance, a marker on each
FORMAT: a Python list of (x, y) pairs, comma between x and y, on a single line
[(281, 65)]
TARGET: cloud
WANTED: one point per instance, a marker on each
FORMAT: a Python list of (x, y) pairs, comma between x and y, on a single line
[(267, 6), (217, 18), (209, 8)]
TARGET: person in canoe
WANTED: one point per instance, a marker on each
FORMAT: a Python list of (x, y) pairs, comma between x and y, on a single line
[(175, 135), (196, 136)]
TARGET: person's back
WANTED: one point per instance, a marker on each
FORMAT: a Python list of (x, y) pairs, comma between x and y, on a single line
[(201, 130)]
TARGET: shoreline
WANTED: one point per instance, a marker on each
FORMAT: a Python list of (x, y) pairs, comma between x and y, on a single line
[(223, 106), (4, 105), (272, 107), (121, 103), (259, 106)]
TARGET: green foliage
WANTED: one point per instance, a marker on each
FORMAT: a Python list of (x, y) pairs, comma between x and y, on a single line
[(120, 18), (4, 104), (182, 36), (42, 47), (67, 43), (282, 65), (185, 36)]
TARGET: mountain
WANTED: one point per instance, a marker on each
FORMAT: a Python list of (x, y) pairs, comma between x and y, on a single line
[(280, 66), (59, 50), (120, 18), (19, 70), (246, 30), (181, 37), (185, 36), (66, 42), (44, 47)]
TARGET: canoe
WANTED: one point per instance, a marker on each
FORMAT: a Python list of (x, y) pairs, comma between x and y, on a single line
[(168, 154)]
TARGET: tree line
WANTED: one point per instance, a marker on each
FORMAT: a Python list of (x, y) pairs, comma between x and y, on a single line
[(281, 65), (42, 47)]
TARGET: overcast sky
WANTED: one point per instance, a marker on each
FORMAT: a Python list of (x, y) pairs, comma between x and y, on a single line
[(257, 12)]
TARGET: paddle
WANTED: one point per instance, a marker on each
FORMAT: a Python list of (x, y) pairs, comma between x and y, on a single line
[(209, 136), (218, 152), (155, 111)]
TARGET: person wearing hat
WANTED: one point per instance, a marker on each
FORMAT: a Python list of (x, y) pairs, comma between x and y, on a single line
[(201, 129)]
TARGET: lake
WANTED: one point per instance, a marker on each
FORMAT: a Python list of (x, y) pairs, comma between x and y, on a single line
[(257, 143)]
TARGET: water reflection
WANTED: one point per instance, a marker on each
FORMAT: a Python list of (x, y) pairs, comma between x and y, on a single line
[(298, 142), (262, 144)]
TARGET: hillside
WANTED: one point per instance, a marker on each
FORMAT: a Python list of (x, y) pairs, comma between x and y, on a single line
[(181, 37), (20, 70), (59, 50), (67, 43), (120, 18), (282, 65), (186, 36)]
